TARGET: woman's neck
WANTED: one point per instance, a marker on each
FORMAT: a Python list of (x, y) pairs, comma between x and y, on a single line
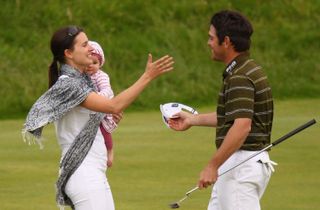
[(79, 68)]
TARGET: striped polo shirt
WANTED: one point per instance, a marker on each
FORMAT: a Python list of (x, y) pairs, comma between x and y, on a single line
[(245, 93)]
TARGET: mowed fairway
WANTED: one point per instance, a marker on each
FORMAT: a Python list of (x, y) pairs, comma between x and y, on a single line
[(155, 166)]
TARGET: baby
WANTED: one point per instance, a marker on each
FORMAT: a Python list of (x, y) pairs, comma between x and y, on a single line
[(101, 82)]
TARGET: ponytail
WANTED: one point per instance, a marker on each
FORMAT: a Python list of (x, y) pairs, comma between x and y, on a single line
[(61, 40), (53, 72)]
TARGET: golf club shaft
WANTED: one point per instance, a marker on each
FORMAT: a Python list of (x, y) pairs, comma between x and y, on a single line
[(295, 131), (288, 135), (233, 167)]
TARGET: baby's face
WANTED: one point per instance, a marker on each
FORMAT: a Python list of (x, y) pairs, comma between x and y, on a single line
[(94, 67)]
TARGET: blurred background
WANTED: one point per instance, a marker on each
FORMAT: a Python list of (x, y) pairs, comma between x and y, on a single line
[(285, 42)]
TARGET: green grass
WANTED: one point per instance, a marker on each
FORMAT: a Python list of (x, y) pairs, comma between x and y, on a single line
[(155, 166), (285, 42)]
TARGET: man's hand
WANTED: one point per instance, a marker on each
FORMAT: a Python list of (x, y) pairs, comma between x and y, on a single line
[(208, 176), (181, 121)]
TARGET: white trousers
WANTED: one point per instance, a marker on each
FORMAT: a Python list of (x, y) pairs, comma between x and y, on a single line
[(242, 187), (88, 188)]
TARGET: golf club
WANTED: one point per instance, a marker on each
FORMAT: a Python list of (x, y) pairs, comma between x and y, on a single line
[(288, 135)]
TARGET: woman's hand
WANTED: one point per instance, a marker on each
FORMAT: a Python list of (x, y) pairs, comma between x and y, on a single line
[(160, 66), (117, 104)]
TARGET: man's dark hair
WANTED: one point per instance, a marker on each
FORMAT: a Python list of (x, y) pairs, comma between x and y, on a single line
[(235, 26)]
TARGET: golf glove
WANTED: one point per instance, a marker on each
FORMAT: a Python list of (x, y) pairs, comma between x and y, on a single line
[(268, 165)]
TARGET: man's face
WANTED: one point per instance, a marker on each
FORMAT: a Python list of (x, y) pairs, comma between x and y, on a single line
[(217, 51)]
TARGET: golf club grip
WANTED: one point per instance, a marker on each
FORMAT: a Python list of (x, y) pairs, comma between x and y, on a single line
[(295, 131)]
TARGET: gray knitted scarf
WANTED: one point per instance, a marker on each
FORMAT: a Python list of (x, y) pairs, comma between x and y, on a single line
[(69, 91)]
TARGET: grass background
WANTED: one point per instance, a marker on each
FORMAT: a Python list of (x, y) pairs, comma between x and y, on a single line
[(285, 42), (155, 166)]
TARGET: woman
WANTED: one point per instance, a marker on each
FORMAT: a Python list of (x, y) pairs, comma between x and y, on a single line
[(76, 109)]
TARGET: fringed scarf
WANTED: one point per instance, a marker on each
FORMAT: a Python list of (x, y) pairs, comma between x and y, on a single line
[(69, 91)]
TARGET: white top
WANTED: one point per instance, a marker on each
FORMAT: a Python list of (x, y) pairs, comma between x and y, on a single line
[(69, 126)]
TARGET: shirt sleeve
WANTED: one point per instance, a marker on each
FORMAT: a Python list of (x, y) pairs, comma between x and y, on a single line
[(239, 100), (102, 82)]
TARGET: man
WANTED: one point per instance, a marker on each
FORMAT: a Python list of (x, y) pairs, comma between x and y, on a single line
[(243, 119)]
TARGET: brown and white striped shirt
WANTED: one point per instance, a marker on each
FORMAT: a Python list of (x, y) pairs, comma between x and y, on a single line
[(245, 93)]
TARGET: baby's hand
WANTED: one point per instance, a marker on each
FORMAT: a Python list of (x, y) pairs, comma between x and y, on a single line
[(117, 117), (90, 69)]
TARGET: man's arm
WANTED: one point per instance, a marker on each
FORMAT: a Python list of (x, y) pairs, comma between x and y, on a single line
[(208, 119), (185, 120), (232, 142)]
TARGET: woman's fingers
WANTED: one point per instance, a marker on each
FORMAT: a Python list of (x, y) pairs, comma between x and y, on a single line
[(149, 58), (164, 61), (168, 69), (162, 65), (160, 60), (168, 66)]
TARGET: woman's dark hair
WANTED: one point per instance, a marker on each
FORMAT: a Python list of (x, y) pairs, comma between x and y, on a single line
[(61, 40), (235, 26)]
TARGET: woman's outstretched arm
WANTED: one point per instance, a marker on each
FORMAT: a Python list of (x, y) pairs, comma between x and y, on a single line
[(117, 104)]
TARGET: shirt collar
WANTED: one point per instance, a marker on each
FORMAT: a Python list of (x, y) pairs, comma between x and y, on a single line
[(235, 63)]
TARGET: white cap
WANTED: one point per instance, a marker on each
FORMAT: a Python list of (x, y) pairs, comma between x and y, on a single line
[(168, 110)]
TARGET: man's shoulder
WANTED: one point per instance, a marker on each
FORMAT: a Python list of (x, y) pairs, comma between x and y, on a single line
[(248, 67)]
